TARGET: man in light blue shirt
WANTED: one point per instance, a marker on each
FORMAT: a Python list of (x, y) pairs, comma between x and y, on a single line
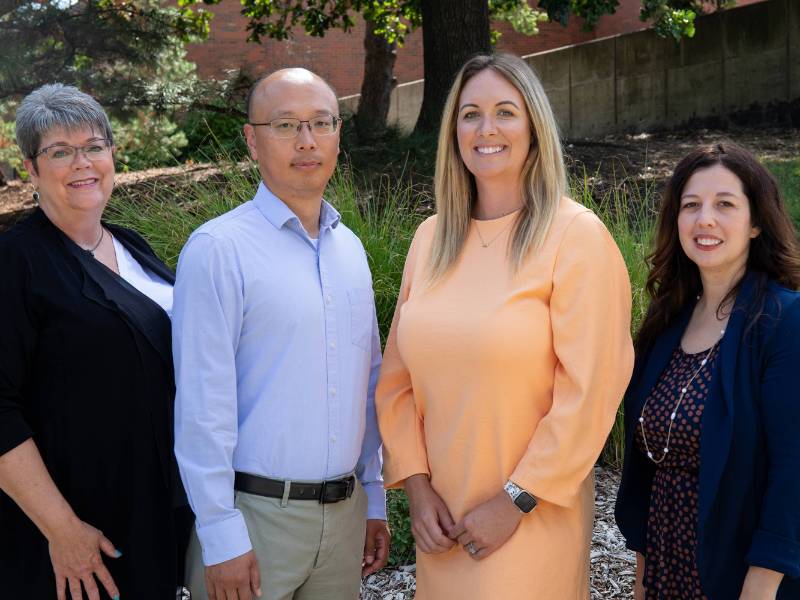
[(277, 355)]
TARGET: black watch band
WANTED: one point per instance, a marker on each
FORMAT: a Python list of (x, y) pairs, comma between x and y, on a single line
[(524, 500)]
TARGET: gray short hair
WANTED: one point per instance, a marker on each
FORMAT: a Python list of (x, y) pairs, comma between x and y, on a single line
[(57, 105)]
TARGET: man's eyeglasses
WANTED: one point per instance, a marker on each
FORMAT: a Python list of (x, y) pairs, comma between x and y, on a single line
[(289, 128), (62, 155)]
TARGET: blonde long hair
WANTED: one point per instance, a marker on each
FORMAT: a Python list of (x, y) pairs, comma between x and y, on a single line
[(543, 175)]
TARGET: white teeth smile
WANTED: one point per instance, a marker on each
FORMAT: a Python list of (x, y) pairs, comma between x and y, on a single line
[(708, 241), (83, 182), (490, 149)]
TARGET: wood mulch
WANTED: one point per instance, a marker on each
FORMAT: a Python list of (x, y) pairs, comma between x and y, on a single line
[(612, 565)]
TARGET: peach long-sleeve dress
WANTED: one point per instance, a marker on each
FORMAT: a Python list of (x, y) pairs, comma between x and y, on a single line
[(490, 375)]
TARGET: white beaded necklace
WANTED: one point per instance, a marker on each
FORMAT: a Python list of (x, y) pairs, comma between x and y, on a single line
[(674, 412)]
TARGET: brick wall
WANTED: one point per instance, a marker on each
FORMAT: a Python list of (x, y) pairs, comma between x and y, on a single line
[(339, 56)]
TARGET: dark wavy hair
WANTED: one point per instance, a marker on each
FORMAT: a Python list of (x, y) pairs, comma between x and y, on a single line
[(674, 279)]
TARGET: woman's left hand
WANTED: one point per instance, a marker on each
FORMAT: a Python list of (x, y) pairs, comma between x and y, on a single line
[(487, 526)]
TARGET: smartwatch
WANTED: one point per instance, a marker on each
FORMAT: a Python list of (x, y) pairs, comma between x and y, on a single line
[(523, 499)]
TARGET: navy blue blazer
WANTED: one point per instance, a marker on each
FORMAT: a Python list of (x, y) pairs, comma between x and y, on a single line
[(749, 503)]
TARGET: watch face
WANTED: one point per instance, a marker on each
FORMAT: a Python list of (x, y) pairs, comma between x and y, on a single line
[(525, 502)]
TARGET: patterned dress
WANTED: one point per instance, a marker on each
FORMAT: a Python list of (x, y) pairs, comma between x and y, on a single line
[(670, 563)]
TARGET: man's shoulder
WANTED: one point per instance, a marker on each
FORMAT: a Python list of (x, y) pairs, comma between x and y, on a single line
[(344, 232), (220, 235), (226, 225)]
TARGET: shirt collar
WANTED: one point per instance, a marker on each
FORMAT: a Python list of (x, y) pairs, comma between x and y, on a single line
[(277, 213)]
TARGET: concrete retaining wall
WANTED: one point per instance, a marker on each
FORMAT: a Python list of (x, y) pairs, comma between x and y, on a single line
[(743, 59)]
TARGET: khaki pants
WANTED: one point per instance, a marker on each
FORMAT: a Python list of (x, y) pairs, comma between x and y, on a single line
[(305, 550)]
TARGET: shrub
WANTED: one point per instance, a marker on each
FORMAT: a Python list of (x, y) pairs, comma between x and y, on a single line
[(10, 156), (146, 139), (403, 548), (209, 133), (787, 172)]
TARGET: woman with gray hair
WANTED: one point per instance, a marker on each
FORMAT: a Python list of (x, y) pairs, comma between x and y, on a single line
[(90, 501)]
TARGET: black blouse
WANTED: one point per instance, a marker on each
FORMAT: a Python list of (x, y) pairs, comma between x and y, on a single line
[(86, 371)]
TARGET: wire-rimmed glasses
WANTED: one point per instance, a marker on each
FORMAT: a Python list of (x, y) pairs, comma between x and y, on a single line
[(62, 155), (287, 127)]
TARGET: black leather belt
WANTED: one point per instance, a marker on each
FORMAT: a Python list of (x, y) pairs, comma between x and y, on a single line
[(324, 492)]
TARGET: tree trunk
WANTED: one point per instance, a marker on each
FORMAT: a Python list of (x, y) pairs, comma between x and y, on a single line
[(376, 89), (452, 31)]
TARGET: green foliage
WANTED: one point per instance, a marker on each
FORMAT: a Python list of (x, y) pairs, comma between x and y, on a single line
[(669, 21), (393, 19), (670, 18), (519, 14), (590, 10), (276, 18), (9, 152), (147, 139), (395, 156), (208, 133), (403, 548), (675, 18), (787, 173), (108, 47)]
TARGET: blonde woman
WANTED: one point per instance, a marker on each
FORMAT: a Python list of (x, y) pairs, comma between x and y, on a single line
[(508, 354)]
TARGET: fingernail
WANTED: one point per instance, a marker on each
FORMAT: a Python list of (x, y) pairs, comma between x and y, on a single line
[(369, 560), (117, 554), (115, 597)]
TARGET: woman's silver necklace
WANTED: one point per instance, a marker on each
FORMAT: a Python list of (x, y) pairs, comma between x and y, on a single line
[(484, 243), (97, 245), (674, 413)]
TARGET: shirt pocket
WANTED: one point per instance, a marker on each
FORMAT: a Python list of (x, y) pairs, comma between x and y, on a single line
[(361, 309)]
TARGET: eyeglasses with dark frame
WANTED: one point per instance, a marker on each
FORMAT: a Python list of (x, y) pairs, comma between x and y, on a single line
[(289, 127), (61, 155)]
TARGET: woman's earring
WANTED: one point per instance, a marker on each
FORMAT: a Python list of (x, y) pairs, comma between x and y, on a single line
[(36, 197)]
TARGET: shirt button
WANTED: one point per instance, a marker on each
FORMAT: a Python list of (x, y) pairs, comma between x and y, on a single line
[(328, 299), (333, 391), (333, 345), (333, 439)]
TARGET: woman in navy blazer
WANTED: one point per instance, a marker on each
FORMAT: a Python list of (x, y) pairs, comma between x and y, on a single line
[(710, 491)]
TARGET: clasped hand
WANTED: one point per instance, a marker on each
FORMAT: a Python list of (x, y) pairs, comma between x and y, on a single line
[(486, 527)]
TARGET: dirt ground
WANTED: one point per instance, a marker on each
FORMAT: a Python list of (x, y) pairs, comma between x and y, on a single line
[(613, 160), (622, 159)]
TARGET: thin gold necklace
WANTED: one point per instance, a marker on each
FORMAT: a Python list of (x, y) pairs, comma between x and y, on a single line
[(484, 243), (674, 413)]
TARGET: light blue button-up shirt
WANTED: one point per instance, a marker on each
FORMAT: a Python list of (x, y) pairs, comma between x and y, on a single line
[(277, 355)]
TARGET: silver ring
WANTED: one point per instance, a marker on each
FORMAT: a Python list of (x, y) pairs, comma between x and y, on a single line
[(471, 548)]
